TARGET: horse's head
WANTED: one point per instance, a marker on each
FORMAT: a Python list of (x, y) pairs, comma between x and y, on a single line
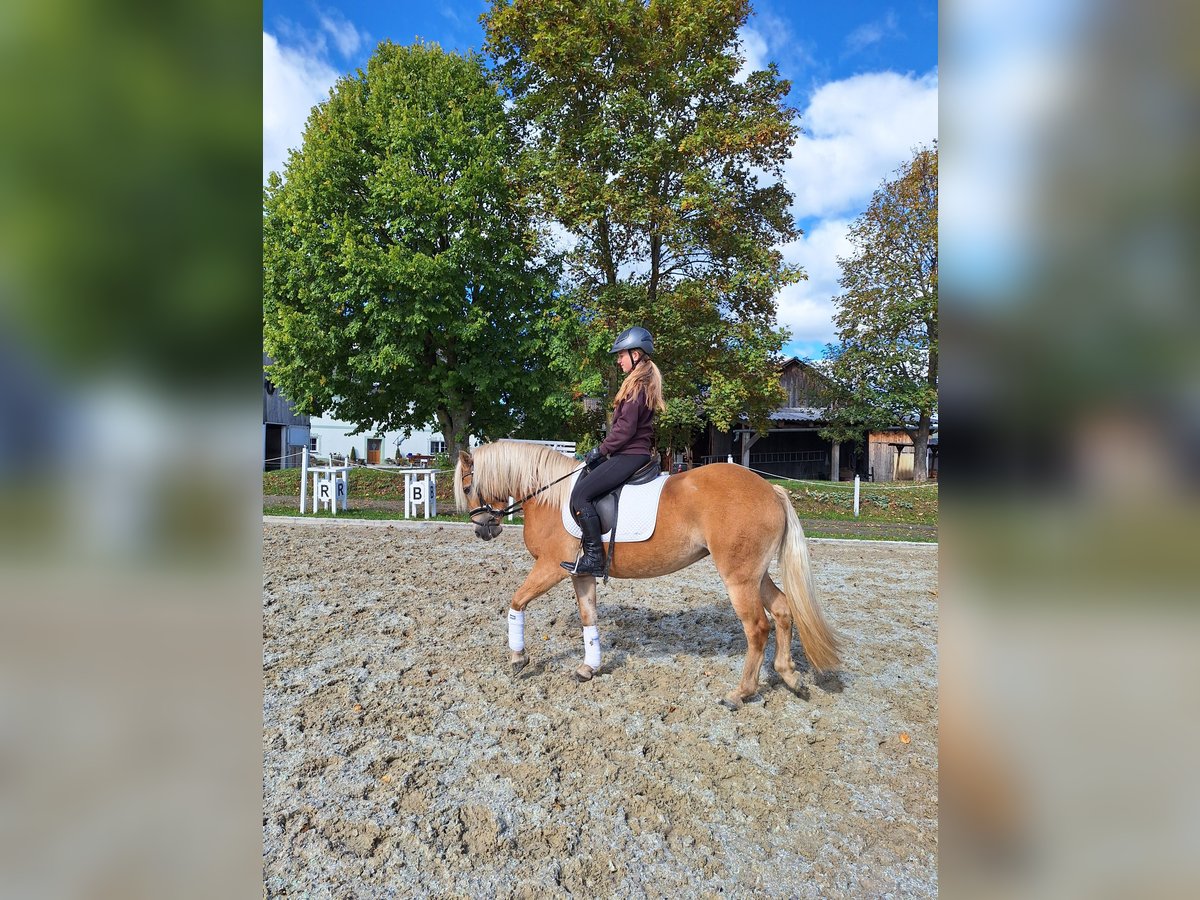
[(483, 516)]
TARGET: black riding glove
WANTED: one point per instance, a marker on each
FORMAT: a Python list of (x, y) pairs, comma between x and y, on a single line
[(593, 458)]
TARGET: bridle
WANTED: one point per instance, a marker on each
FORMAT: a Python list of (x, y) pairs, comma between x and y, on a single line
[(495, 515)]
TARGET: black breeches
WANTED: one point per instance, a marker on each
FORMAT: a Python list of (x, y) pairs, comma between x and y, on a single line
[(606, 477)]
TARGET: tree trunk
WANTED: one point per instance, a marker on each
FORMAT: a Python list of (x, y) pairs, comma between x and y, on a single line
[(454, 429), (920, 439), (655, 257), (607, 263)]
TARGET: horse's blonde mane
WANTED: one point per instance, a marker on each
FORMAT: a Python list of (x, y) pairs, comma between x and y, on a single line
[(514, 469)]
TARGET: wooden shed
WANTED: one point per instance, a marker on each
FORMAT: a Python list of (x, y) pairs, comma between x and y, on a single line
[(890, 455), (285, 432), (792, 447)]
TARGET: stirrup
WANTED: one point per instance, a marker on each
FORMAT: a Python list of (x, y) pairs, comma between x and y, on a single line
[(573, 568)]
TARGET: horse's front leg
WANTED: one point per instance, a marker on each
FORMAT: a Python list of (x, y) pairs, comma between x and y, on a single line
[(542, 577), (585, 593)]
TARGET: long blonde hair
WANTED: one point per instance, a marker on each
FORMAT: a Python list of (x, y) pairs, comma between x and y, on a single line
[(646, 378)]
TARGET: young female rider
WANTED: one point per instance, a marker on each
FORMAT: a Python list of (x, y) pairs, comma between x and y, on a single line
[(627, 446)]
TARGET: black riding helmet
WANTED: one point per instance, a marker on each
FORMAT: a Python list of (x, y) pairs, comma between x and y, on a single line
[(635, 338)]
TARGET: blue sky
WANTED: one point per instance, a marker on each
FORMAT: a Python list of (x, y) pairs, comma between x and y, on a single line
[(864, 77)]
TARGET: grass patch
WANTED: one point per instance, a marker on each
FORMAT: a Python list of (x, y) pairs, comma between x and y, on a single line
[(896, 511), (885, 534), (373, 494), (900, 503), (365, 484)]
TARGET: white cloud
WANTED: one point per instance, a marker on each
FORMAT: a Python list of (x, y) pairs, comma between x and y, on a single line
[(754, 46), (806, 308), (773, 41), (293, 82), (857, 132), (448, 11), (345, 36), (872, 33)]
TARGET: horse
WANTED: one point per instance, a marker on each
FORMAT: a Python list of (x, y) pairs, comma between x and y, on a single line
[(721, 509)]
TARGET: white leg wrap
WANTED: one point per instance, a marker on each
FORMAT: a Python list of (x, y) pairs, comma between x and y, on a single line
[(591, 646), (516, 630)]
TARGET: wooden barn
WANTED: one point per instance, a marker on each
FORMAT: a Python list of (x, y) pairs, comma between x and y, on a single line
[(792, 447), (285, 432)]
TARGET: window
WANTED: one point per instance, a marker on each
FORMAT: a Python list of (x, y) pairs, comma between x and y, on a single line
[(436, 447), (312, 445)]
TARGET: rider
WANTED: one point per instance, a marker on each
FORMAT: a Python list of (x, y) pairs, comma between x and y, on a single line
[(627, 446)]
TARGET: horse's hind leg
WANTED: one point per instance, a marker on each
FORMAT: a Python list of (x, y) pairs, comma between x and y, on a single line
[(774, 600), (749, 608)]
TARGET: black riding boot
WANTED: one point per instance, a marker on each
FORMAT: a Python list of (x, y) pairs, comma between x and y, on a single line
[(592, 561)]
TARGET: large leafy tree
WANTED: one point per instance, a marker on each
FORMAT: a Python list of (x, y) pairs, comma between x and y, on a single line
[(400, 278), (664, 168), (886, 361)]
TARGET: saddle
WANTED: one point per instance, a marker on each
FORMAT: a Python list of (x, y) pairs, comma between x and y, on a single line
[(606, 506), (649, 483)]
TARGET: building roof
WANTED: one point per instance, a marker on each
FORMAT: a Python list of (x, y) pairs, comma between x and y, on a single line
[(795, 414), (799, 414)]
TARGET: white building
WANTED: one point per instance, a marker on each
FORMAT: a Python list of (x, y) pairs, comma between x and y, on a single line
[(331, 436)]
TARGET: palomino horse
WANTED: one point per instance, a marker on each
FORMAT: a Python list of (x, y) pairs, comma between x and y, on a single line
[(719, 509)]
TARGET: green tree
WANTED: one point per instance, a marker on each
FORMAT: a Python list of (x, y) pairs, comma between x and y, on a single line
[(401, 278), (664, 169), (886, 361)]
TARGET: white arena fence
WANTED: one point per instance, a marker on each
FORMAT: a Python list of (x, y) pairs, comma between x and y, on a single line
[(567, 448), (331, 485), (331, 482)]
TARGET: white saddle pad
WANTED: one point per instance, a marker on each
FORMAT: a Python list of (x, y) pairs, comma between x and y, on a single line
[(636, 511)]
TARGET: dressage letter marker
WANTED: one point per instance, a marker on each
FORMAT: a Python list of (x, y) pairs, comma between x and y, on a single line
[(331, 488), (419, 491), (326, 493)]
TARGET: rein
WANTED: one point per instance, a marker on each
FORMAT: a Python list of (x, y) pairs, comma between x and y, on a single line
[(513, 507)]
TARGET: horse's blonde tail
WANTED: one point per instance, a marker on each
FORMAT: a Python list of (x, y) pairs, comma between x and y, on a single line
[(819, 639)]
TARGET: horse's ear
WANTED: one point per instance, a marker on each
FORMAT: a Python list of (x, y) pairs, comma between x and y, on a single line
[(464, 457)]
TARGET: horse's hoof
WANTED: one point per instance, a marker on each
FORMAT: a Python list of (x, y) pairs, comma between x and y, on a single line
[(519, 661), (732, 702), (796, 687), (584, 673)]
